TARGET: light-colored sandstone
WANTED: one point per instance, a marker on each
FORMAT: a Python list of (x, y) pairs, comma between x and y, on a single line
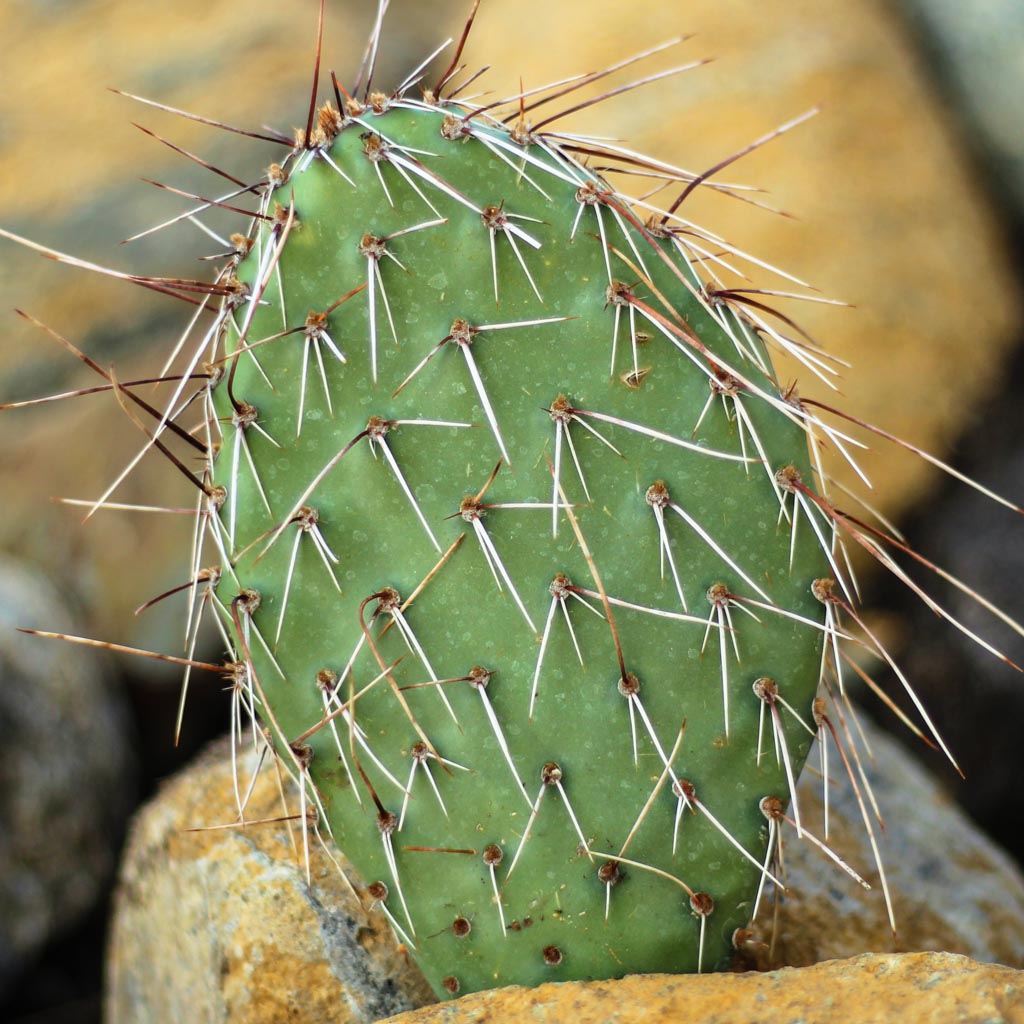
[(219, 925), (937, 988)]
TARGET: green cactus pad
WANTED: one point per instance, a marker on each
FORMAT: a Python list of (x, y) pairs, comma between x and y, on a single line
[(508, 552)]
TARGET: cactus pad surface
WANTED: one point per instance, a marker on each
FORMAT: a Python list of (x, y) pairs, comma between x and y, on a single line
[(507, 549)]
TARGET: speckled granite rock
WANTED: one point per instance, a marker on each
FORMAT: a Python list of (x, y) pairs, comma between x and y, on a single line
[(953, 888), (220, 924), (66, 782), (936, 988)]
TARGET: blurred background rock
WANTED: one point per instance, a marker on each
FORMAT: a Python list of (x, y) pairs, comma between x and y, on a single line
[(68, 779), (906, 201)]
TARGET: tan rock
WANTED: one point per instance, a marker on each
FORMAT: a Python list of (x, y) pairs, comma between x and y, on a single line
[(219, 926), (870, 989)]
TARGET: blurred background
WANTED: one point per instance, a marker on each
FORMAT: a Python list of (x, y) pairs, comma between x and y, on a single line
[(904, 197)]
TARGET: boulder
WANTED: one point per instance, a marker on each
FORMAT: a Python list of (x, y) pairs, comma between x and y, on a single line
[(870, 989), (217, 922), (66, 775)]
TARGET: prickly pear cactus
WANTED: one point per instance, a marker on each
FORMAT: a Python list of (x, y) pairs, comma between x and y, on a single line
[(526, 563), (506, 500)]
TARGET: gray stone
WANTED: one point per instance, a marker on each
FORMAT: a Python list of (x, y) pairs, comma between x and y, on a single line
[(952, 888), (975, 699), (66, 774), (977, 51)]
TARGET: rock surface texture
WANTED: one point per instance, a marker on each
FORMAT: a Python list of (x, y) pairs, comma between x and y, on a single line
[(870, 989), (219, 926)]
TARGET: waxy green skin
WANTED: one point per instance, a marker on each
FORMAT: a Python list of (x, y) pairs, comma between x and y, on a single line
[(554, 924)]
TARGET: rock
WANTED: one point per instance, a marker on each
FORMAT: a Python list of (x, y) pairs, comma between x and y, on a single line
[(219, 924), (976, 700), (953, 889), (66, 774), (870, 989), (975, 52)]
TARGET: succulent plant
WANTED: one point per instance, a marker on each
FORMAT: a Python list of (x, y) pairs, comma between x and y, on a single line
[(526, 560), (484, 506)]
